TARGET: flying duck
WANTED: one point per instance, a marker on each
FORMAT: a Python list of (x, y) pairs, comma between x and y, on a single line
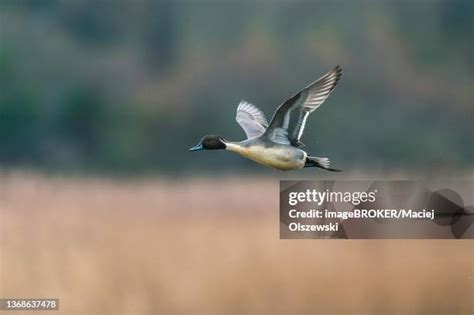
[(276, 144)]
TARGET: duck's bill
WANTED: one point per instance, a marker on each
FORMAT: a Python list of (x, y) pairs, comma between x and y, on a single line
[(198, 147)]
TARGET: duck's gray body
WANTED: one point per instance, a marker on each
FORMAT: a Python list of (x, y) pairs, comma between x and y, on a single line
[(274, 155), (276, 144)]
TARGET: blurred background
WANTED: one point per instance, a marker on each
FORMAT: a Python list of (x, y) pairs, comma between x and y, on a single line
[(129, 86), (102, 206)]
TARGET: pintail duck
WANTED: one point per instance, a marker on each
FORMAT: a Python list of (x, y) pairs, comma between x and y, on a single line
[(275, 144)]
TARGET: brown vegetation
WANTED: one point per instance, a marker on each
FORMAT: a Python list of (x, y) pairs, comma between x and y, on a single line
[(206, 247)]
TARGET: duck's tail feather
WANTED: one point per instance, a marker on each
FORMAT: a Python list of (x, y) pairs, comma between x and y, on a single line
[(321, 162)]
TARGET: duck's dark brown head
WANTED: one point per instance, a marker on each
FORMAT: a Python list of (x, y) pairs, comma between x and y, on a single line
[(210, 142)]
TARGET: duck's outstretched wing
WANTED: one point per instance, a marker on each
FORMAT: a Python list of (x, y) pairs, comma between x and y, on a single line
[(300, 106), (251, 119)]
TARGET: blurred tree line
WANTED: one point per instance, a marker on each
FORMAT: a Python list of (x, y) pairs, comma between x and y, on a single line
[(130, 85)]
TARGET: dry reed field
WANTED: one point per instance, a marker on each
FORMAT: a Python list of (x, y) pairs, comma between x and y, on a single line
[(202, 246)]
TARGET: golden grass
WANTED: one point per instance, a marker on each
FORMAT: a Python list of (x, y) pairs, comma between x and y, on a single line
[(201, 246)]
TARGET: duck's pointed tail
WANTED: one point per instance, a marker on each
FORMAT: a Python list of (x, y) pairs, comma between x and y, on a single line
[(321, 162)]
